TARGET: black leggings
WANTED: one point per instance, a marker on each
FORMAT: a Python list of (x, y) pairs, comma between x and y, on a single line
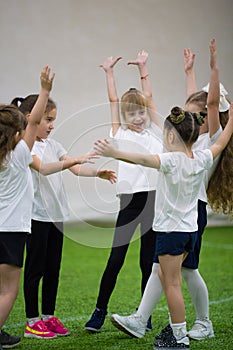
[(135, 209), (43, 260)]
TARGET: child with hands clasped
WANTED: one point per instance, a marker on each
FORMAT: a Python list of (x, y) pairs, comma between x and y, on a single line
[(182, 173), (136, 185), (17, 136), (50, 210)]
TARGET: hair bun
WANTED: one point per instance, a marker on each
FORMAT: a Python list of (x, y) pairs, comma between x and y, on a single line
[(177, 115), (199, 117)]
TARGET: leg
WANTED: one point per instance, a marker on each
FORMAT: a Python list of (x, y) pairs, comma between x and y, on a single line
[(52, 268), (36, 248), (9, 287)]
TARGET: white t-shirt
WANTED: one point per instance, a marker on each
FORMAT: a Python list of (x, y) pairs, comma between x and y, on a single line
[(179, 183), (16, 191), (133, 178), (50, 201), (204, 141)]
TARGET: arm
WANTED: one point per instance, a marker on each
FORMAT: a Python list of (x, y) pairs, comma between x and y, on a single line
[(82, 170), (225, 136), (39, 108), (214, 92), (63, 164), (108, 66), (146, 85), (105, 149), (191, 85)]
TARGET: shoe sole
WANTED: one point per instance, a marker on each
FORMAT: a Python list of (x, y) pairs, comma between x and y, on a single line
[(92, 330), (124, 329), (37, 336), (201, 338), (10, 346)]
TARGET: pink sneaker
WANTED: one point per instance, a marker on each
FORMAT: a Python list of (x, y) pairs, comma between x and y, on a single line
[(38, 330), (55, 326)]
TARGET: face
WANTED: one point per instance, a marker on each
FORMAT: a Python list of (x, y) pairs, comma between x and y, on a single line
[(47, 124), (136, 120)]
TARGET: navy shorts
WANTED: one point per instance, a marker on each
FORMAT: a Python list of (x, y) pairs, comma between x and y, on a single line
[(174, 243), (12, 246), (192, 260)]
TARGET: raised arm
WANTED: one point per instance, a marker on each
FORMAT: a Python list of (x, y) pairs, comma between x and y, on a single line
[(191, 86), (141, 61), (225, 136), (108, 67), (104, 148), (214, 92), (39, 108)]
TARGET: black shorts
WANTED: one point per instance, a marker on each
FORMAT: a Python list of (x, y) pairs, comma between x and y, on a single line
[(12, 248)]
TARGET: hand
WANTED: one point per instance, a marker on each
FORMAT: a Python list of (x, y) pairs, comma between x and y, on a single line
[(45, 79), (188, 60), (141, 59), (109, 63), (213, 54), (104, 148), (87, 158), (109, 175)]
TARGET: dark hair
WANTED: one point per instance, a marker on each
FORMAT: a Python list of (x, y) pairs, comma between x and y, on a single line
[(186, 124), (11, 122), (26, 104)]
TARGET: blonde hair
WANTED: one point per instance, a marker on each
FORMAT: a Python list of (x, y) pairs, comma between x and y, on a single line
[(132, 100)]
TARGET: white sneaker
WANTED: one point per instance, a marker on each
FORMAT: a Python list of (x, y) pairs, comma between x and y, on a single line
[(202, 329), (133, 325)]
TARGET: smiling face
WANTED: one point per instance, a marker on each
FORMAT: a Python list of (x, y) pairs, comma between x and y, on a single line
[(136, 119), (47, 124)]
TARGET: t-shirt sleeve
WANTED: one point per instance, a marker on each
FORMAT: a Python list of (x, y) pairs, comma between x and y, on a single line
[(21, 155)]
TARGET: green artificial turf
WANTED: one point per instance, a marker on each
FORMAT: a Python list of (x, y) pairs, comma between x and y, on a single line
[(86, 250)]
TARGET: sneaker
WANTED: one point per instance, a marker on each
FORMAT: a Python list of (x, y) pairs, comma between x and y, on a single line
[(54, 325), (171, 343), (8, 341), (133, 325), (38, 330), (165, 333), (96, 321), (149, 325), (202, 329)]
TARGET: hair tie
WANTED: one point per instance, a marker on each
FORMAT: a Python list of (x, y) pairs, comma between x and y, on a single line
[(177, 119), (224, 105), (200, 117)]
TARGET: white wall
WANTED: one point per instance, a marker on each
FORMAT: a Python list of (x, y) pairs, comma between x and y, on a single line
[(74, 37)]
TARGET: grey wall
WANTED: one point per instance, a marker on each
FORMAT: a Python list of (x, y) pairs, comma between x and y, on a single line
[(74, 37)]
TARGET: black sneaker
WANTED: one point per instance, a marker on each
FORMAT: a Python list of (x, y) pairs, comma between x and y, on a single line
[(165, 332), (149, 325), (8, 341), (171, 343), (96, 321)]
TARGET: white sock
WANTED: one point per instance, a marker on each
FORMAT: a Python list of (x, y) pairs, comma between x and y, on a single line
[(151, 295), (180, 332), (46, 317), (33, 320), (198, 292)]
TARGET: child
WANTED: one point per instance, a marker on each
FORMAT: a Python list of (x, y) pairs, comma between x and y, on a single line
[(17, 137), (135, 187), (50, 209), (135, 324), (182, 174)]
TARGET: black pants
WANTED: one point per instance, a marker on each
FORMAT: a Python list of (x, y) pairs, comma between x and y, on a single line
[(135, 209), (43, 260)]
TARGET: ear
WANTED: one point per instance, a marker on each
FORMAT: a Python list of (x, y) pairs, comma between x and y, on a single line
[(171, 137), (27, 116)]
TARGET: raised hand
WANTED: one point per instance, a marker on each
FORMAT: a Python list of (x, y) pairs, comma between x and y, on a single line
[(213, 54), (141, 59), (45, 79), (189, 58), (109, 175), (109, 63)]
